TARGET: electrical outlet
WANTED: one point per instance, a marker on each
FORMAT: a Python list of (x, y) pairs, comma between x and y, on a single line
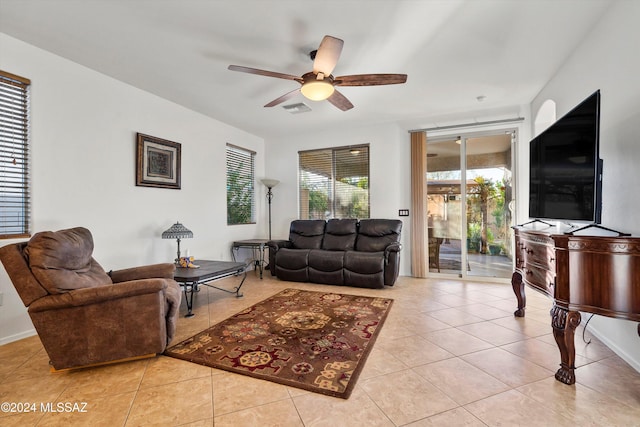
[(1, 298)]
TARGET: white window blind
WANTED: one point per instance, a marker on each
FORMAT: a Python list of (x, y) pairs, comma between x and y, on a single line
[(241, 206), (14, 156), (334, 182)]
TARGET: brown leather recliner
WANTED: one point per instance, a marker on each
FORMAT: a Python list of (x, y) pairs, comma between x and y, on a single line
[(83, 315)]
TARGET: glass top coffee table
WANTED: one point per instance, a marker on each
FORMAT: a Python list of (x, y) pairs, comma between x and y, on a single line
[(191, 278)]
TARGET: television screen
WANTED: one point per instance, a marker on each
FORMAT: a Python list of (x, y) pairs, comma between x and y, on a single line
[(565, 168)]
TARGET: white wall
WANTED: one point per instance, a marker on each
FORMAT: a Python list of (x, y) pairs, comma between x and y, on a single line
[(608, 60), (389, 172), (83, 170)]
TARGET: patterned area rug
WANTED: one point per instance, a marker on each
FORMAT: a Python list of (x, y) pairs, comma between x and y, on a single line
[(316, 341)]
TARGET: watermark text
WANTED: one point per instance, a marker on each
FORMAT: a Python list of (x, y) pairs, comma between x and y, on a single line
[(22, 407)]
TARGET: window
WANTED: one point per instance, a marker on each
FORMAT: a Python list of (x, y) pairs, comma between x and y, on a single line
[(241, 206), (14, 156), (334, 183)]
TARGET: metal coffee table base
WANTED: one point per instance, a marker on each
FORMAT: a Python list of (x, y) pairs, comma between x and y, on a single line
[(191, 278)]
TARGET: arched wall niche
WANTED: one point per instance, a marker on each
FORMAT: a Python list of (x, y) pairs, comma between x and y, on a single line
[(545, 116)]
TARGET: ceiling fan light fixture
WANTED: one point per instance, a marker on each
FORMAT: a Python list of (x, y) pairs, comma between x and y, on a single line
[(318, 85), (317, 90)]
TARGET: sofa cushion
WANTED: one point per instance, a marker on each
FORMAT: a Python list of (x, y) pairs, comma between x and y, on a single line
[(292, 264), (326, 266), (307, 233), (292, 259), (62, 260), (364, 262), (340, 234), (375, 235), (326, 260), (364, 269)]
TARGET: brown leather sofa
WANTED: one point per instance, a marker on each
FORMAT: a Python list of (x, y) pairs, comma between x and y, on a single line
[(83, 315), (348, 252)]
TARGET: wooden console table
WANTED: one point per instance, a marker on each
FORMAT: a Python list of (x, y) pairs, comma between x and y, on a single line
[(208, 271), (593, 274)]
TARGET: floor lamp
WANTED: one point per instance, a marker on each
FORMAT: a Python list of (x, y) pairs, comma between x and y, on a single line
[(270, 183)]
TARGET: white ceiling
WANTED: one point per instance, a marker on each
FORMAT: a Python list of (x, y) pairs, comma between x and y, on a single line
[(453, 52)]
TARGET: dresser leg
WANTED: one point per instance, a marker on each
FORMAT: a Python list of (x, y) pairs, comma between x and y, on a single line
[(518, 289), (564, 323)]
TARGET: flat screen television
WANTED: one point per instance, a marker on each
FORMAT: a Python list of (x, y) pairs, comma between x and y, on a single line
[(565, 175)]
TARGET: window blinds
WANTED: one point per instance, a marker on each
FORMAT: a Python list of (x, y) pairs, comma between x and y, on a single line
[(334, 183), (240, 185), (14, 156)]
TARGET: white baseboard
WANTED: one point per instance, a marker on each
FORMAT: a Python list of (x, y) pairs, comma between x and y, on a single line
[(631, 359), (16, 337)]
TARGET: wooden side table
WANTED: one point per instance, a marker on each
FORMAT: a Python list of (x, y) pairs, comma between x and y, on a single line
[(258, 245), (208, 271)]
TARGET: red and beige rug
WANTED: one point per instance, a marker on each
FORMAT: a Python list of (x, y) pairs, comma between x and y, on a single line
[(316, 341)]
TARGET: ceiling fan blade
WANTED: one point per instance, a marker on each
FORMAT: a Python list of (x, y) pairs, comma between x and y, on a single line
[(283, 98), (370, 79), (264, 73), (327, 55), (340, 101)]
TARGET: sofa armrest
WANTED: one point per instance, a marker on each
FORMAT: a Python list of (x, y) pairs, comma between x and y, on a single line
[(154, 271), (279, 244), (274, 247), (393, 247), (392, 263), (98, 294)]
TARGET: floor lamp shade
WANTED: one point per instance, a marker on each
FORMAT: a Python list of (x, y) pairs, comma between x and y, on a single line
[(270, 183)]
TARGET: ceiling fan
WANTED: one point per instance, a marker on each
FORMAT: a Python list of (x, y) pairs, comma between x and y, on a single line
[(319, 84)]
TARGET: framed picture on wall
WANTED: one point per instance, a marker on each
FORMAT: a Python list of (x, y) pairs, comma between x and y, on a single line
[(158, 162)]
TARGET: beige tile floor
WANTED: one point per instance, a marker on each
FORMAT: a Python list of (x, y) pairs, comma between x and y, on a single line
[(450, 353)]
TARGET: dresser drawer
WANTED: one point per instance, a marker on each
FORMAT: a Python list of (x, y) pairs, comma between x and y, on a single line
[(539, 278), (539, 253)]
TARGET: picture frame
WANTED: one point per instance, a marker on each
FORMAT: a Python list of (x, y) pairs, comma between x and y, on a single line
[(158, 162)]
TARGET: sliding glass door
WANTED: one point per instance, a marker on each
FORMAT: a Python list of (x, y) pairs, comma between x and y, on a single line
[(469, 190), (445, 206)]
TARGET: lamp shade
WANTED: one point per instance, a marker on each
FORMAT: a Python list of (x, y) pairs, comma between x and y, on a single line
[(317, 90), (177, 231), (270, 183)]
